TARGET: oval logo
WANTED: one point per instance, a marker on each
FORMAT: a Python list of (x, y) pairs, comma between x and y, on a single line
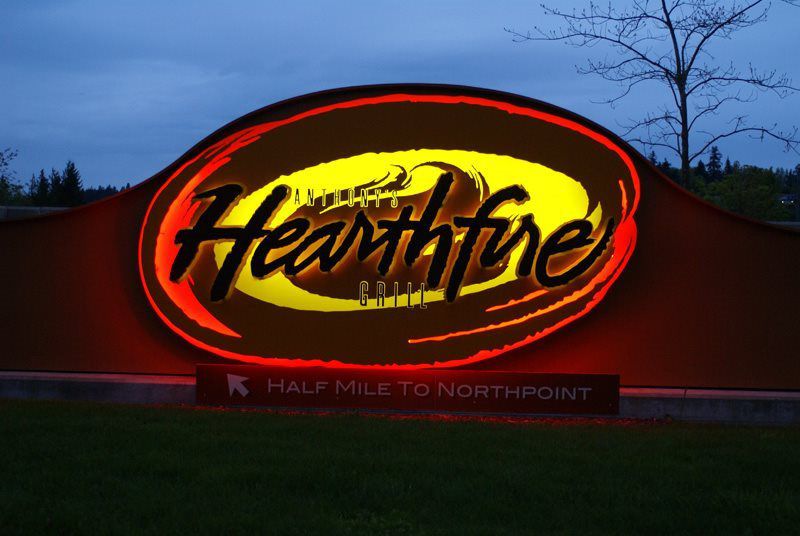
[(388, 226)]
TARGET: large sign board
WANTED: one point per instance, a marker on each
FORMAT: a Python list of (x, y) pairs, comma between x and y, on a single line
[(405, 231)]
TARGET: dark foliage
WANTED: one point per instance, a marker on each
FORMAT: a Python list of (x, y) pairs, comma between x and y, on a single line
[(57, 189), (10, 191), (760, 193)]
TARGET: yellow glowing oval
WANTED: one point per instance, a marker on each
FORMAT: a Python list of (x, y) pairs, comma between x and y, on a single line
[(555, 199)]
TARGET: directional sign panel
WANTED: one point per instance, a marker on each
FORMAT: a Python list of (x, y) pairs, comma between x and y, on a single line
[(422, 390)]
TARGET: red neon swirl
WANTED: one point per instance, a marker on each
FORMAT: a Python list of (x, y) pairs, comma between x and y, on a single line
[(219, 154)]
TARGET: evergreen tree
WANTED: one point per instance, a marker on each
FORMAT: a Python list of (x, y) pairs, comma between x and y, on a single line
[(41, 195), (728, 167), (714, 167), (700, 170), (56, 195), (666, 168), (71, 185), (30, 192), (652, 158), (96, 193)]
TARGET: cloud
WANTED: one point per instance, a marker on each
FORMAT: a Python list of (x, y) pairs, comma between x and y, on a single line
[(124, 88)]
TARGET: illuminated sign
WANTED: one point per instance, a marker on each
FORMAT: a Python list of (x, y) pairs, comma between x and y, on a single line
[(403, 230)]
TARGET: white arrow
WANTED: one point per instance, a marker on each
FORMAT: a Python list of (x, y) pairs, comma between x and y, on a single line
[(236, 383)]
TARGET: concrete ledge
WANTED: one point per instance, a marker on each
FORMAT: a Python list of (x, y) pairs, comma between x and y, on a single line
[(662, 392), (697, 405), (121, 388), (15, 213), (711, 405)]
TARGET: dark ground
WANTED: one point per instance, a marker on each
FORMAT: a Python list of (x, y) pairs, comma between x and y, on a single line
[(91, 468)]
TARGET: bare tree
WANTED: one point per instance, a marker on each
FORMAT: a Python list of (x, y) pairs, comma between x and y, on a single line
[(668, 42)]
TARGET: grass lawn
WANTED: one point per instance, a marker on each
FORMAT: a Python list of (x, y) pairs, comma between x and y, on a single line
[(93, 468)]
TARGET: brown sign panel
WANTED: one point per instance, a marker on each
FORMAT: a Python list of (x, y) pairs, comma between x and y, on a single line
[(419, 390)]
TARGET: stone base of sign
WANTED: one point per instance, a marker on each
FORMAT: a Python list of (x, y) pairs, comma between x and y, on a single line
[(118, 388), (711, 405), (694, 405)]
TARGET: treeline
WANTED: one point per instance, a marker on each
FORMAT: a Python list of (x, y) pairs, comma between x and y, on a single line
[(771, 194), (58, 188)]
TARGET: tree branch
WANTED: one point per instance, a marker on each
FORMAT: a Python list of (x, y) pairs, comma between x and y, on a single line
[(663, 41), (790, 140)]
